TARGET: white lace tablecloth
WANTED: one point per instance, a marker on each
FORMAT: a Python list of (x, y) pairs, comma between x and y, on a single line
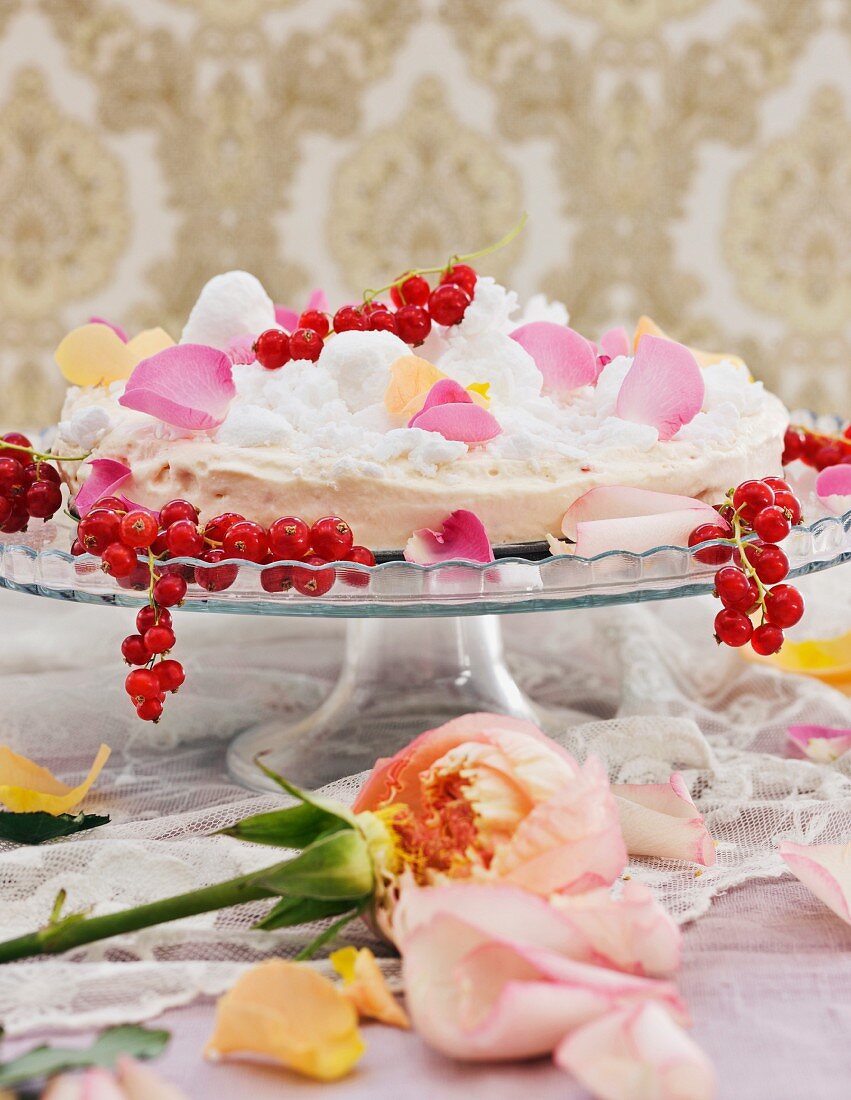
[(643, 687)]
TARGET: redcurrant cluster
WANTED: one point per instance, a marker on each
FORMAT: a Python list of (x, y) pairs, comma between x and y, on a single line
[(30, 488), (816, 449), (748, 582)]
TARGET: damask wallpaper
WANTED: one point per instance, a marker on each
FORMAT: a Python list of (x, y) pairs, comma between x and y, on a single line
[(690, 159)]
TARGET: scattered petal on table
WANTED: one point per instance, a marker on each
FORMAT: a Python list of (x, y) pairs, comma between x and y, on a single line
[(637, 1053), (366, 986), (820, 743), (140, 1082), (825, 869), (26, 787), (660, 819), (664, 387), (289, 1012)]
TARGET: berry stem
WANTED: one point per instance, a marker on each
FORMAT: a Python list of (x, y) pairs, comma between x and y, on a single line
[(42, 456), (748, 569)]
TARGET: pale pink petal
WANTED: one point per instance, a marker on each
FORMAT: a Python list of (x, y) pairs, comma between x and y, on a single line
[(67, 1086), (287, 318), (142, 1083), (189, 386), (117, 329), (565, 358), (318, 300), (825, 869), (625, 502), (446, 391), (664, 387), (134, 506), (660, 819), (637, 1053), (820, 743), (466, 423), (240, 351), (637, 534), (105, 476), (833, 486), (461, 538), (99, 1084), (615, 342)]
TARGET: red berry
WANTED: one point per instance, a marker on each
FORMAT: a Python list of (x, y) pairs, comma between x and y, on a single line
[(362, 556), (170, 675), (13, 480), (98, 529), (41, 471), (111, 504), (247, 541), (169, 590), (313, 319), (777, 484), (138, 580), (461, 275), (767, 639), (152, 616), (218, 579), (119, 560), (447, 304), (313, 582), (733, 628), (784, 605), (413, 325), (134, 651), (44, 499), (772, 524), (277, 579), (735, 589), (349, 318), (218, 526), (289, 538), (769, 562), (6, 511), (141, 684), (331, 538), (790, 505), (373, 305), (306, 344), (159, 639), (175, 510), (793, 445), (831, 454), (184, 540), (18, 519), (713, 555), (138, 529), (17, 440), (272, 348), (414, 291), (150, 710), (382, 320), (751, 497), (811, 446)]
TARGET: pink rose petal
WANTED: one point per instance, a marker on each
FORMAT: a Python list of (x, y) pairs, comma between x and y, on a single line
[(189, 386), (820, 743), (446, 391), (833, 487), (465, 423), (664, 387), (318, 300), (117, 329), (106, 475), (287, 318), (615, 342), (240, 351), (637, 1053), (461, 538), (565, 358), (660, 819), (825, 869), (624, 502)]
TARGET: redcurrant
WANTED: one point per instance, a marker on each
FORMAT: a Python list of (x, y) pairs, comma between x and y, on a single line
[(767, 639), (169, 590), (98, 529), (313, 582), (413, 324), (272, 348), (733, 628), (712, 555), (277, 579), (184, 540), (769, 562), (751, 497), (141, 684), (793, 445), (138, 529), (170, 675), (13, 481), (306, 344), (313, 319), (119, 560), (772, 524), (246, 540), (735, 589), (448, 303), (349, 318), (331, 538), (159, 639), (784, 605), (152, 616), (461, 275), (218, 579), (134, 651), (44, 499), (790, 505), (289, 538), (175, 510), (215, 530), (382, 320), (150, 710), (17, 440), (414, 291)]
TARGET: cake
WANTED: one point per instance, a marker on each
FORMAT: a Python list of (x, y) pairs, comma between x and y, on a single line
[(339, 435)]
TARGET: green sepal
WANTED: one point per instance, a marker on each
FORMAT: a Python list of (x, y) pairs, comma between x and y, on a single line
[(38, 827), (307, 797), (296, 827), (291, 911), (45, 1061), (333, 867)]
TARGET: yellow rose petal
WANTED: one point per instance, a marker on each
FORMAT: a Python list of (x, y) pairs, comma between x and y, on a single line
[(92, 355), (410, 380), (480, 393), (148, 343), (647, 327), (26, 787), (366, 986), (292, 1014)]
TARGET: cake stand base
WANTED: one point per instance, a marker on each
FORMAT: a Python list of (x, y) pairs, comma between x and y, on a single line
[(399, 677)]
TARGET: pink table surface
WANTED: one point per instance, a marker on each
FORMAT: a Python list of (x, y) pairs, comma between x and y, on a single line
[(767, 976)]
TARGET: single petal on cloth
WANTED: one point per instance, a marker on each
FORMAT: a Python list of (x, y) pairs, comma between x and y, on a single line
[(664, 387), (104, 477), (411, 379), (366, 987), (117, 329), (229, 305), (26, 787), (94, 355), (820, 743), (825, 869), (660, 819), (140, 1082), (189, 386), (462, 421), (647, 327), (637, 1053), (290, 1013), (564, 357), (615, 342), (833, 487), (462, 537)]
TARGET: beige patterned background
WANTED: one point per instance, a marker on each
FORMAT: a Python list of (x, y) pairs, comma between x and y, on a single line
[(686, 158)]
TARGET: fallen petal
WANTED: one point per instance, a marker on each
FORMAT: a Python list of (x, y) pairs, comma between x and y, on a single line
[(825, 869), (466, 423), (565, 358), (117, 329), (660, 819), (366, 987), (625, 502), (291, 1013), (105, 476), (140, 1082), (462, 537), (637, 1053), (229, 305), (189, 386), (647, 327), (615, 342), (93, 355), (26, 787), (411, 378), (820, 743), (833, 487), (664, 387)]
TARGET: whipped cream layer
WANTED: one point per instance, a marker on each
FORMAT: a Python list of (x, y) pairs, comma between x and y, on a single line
[(316, 439)]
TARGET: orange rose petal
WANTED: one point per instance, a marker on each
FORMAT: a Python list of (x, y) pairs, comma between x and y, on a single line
[(647, 327), (92, 355), (26, 787), (410, 380), (292, 1014), (366, 987)]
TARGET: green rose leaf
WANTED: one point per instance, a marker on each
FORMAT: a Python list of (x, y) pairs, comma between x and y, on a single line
[(295, 827), (45, 1061), (38, 827)]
